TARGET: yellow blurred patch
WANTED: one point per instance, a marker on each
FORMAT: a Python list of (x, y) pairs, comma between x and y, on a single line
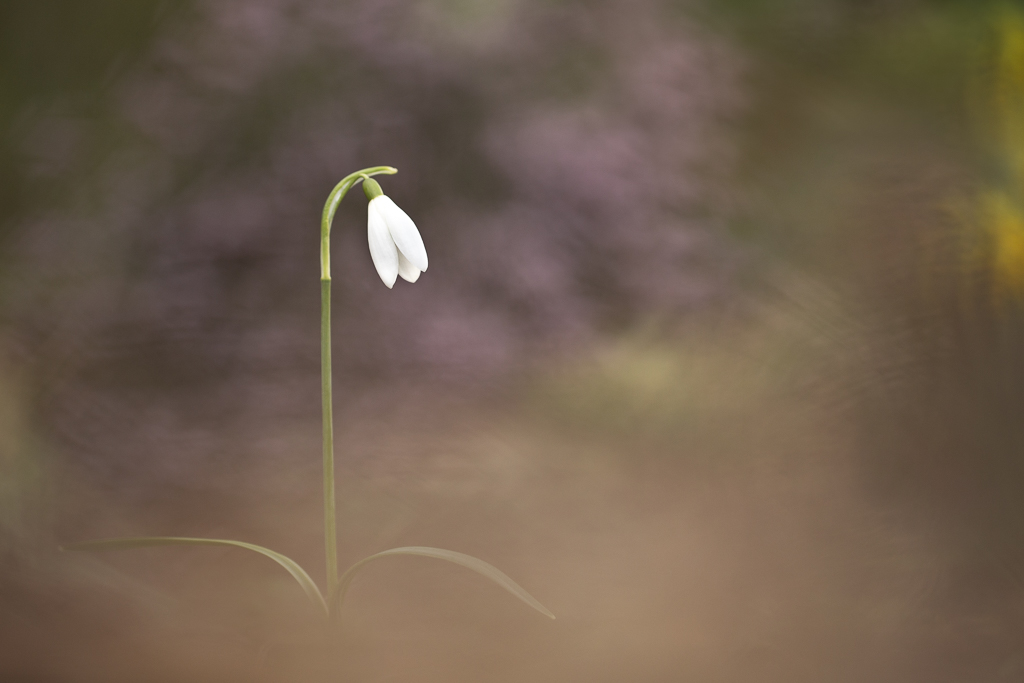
[(997, 218), (1003, 220)]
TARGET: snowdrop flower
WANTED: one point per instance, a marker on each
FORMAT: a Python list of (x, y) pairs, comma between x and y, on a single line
[(395, 244)]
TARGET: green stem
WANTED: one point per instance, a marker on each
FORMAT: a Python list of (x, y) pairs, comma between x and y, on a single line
[(330, 514), (330, 518)]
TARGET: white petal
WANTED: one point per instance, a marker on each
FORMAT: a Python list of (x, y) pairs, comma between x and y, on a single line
[(407, 270), (382, 247), (403, 231)]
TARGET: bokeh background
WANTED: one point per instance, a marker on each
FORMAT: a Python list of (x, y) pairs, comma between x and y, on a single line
[(720, 354)]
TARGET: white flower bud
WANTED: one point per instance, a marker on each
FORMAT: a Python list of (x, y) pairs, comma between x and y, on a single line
[(395, 244)]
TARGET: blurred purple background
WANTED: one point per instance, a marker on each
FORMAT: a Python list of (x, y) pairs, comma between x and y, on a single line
[(566, 170)]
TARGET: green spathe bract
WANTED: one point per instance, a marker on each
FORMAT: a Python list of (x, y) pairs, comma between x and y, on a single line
[(337, 586)]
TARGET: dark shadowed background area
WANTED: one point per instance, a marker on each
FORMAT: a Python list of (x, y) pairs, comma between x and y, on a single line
[(720, 353)]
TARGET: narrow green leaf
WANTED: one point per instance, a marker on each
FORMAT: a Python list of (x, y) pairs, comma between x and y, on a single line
[(290, 565), (467, 561)]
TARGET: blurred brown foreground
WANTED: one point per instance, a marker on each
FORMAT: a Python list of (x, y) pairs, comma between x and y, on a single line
[(689, 513)]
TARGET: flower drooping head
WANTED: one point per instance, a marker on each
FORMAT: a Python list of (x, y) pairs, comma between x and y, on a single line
[(395, 244)]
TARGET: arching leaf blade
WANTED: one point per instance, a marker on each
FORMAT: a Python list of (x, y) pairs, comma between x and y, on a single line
[(290, 565), (467, 561)]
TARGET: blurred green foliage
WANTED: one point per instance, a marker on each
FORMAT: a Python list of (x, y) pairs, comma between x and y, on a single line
[(58, 55), (997, 217), (62, 54), (882, 156)]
